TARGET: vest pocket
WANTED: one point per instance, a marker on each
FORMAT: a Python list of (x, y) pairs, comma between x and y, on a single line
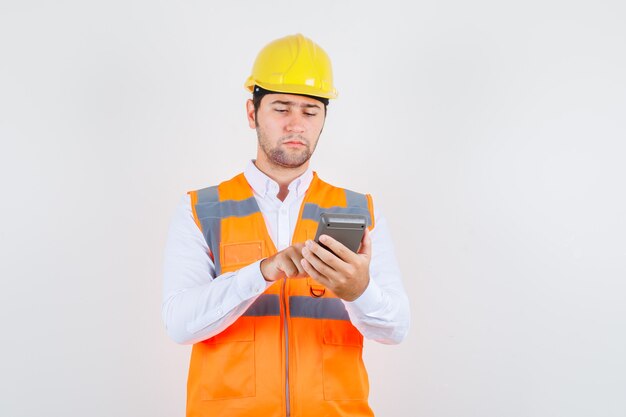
[(240, 254), (344, 374), (228, 369)]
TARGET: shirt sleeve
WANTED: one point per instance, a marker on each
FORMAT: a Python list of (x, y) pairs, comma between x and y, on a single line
[(196, 304), (382, 312)]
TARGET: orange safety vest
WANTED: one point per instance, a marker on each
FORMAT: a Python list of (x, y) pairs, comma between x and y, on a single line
[(294, 352)]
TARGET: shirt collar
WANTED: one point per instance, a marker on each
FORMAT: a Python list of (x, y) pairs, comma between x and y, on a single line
[(262, 184)]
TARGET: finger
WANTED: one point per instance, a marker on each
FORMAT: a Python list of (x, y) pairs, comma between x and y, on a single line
[(366, 244), (313, 273), (337, 247), (296, 258), (290, 261), (317, 263), (322, 253), (287, 266)]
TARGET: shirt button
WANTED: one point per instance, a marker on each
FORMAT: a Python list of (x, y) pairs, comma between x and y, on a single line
[(219, 311)]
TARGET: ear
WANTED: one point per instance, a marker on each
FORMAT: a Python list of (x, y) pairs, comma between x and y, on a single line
[(250, 114)]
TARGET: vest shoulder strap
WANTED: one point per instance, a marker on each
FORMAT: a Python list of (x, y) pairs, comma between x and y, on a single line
[(210, 205), (325, 197)]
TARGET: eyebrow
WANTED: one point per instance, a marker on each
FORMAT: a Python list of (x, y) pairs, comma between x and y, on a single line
[(291, 103)]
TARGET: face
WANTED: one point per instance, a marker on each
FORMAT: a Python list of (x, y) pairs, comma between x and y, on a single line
[(288, 127)]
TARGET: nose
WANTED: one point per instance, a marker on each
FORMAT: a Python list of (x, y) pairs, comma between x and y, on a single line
[(295, 124)]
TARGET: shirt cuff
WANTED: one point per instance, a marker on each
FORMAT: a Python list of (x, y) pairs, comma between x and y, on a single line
[(250, 281), (369, 301)]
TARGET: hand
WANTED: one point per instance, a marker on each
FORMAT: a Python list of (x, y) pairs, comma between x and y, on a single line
[(284, 264), (347, 274)]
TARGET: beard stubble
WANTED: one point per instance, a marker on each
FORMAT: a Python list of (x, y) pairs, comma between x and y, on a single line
[(284, 157)]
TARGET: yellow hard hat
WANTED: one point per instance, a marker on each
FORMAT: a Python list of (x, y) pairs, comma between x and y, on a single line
[(294, 65)]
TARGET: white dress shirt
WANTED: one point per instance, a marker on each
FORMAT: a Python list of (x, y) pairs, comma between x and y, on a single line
[(197, 305)]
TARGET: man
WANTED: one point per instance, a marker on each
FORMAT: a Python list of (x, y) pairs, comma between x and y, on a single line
[(277, 321)]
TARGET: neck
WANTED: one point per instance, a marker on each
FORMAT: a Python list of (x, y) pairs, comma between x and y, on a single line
[(282, 175)]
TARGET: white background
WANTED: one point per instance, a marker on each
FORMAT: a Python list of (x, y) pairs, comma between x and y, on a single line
[(491, 134)]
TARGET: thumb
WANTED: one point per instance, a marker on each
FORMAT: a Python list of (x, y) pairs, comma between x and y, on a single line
[(366, 244)]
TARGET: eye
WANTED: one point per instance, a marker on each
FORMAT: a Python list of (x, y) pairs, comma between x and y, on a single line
[(281, 110), (310, 114)]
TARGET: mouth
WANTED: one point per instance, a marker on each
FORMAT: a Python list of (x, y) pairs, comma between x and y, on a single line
[(294, 143)]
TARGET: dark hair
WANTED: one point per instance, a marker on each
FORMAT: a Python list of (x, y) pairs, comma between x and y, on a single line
[(259, 92)]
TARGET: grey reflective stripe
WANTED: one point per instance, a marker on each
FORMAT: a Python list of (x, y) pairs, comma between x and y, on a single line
[(211, 226), (208, 194), (317, 308), (356, 204), (211, 211), (265, 305), (312, 211), (228, 208), (354, 199)]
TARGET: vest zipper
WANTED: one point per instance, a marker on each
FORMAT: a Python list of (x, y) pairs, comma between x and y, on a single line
[(288, 403)]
